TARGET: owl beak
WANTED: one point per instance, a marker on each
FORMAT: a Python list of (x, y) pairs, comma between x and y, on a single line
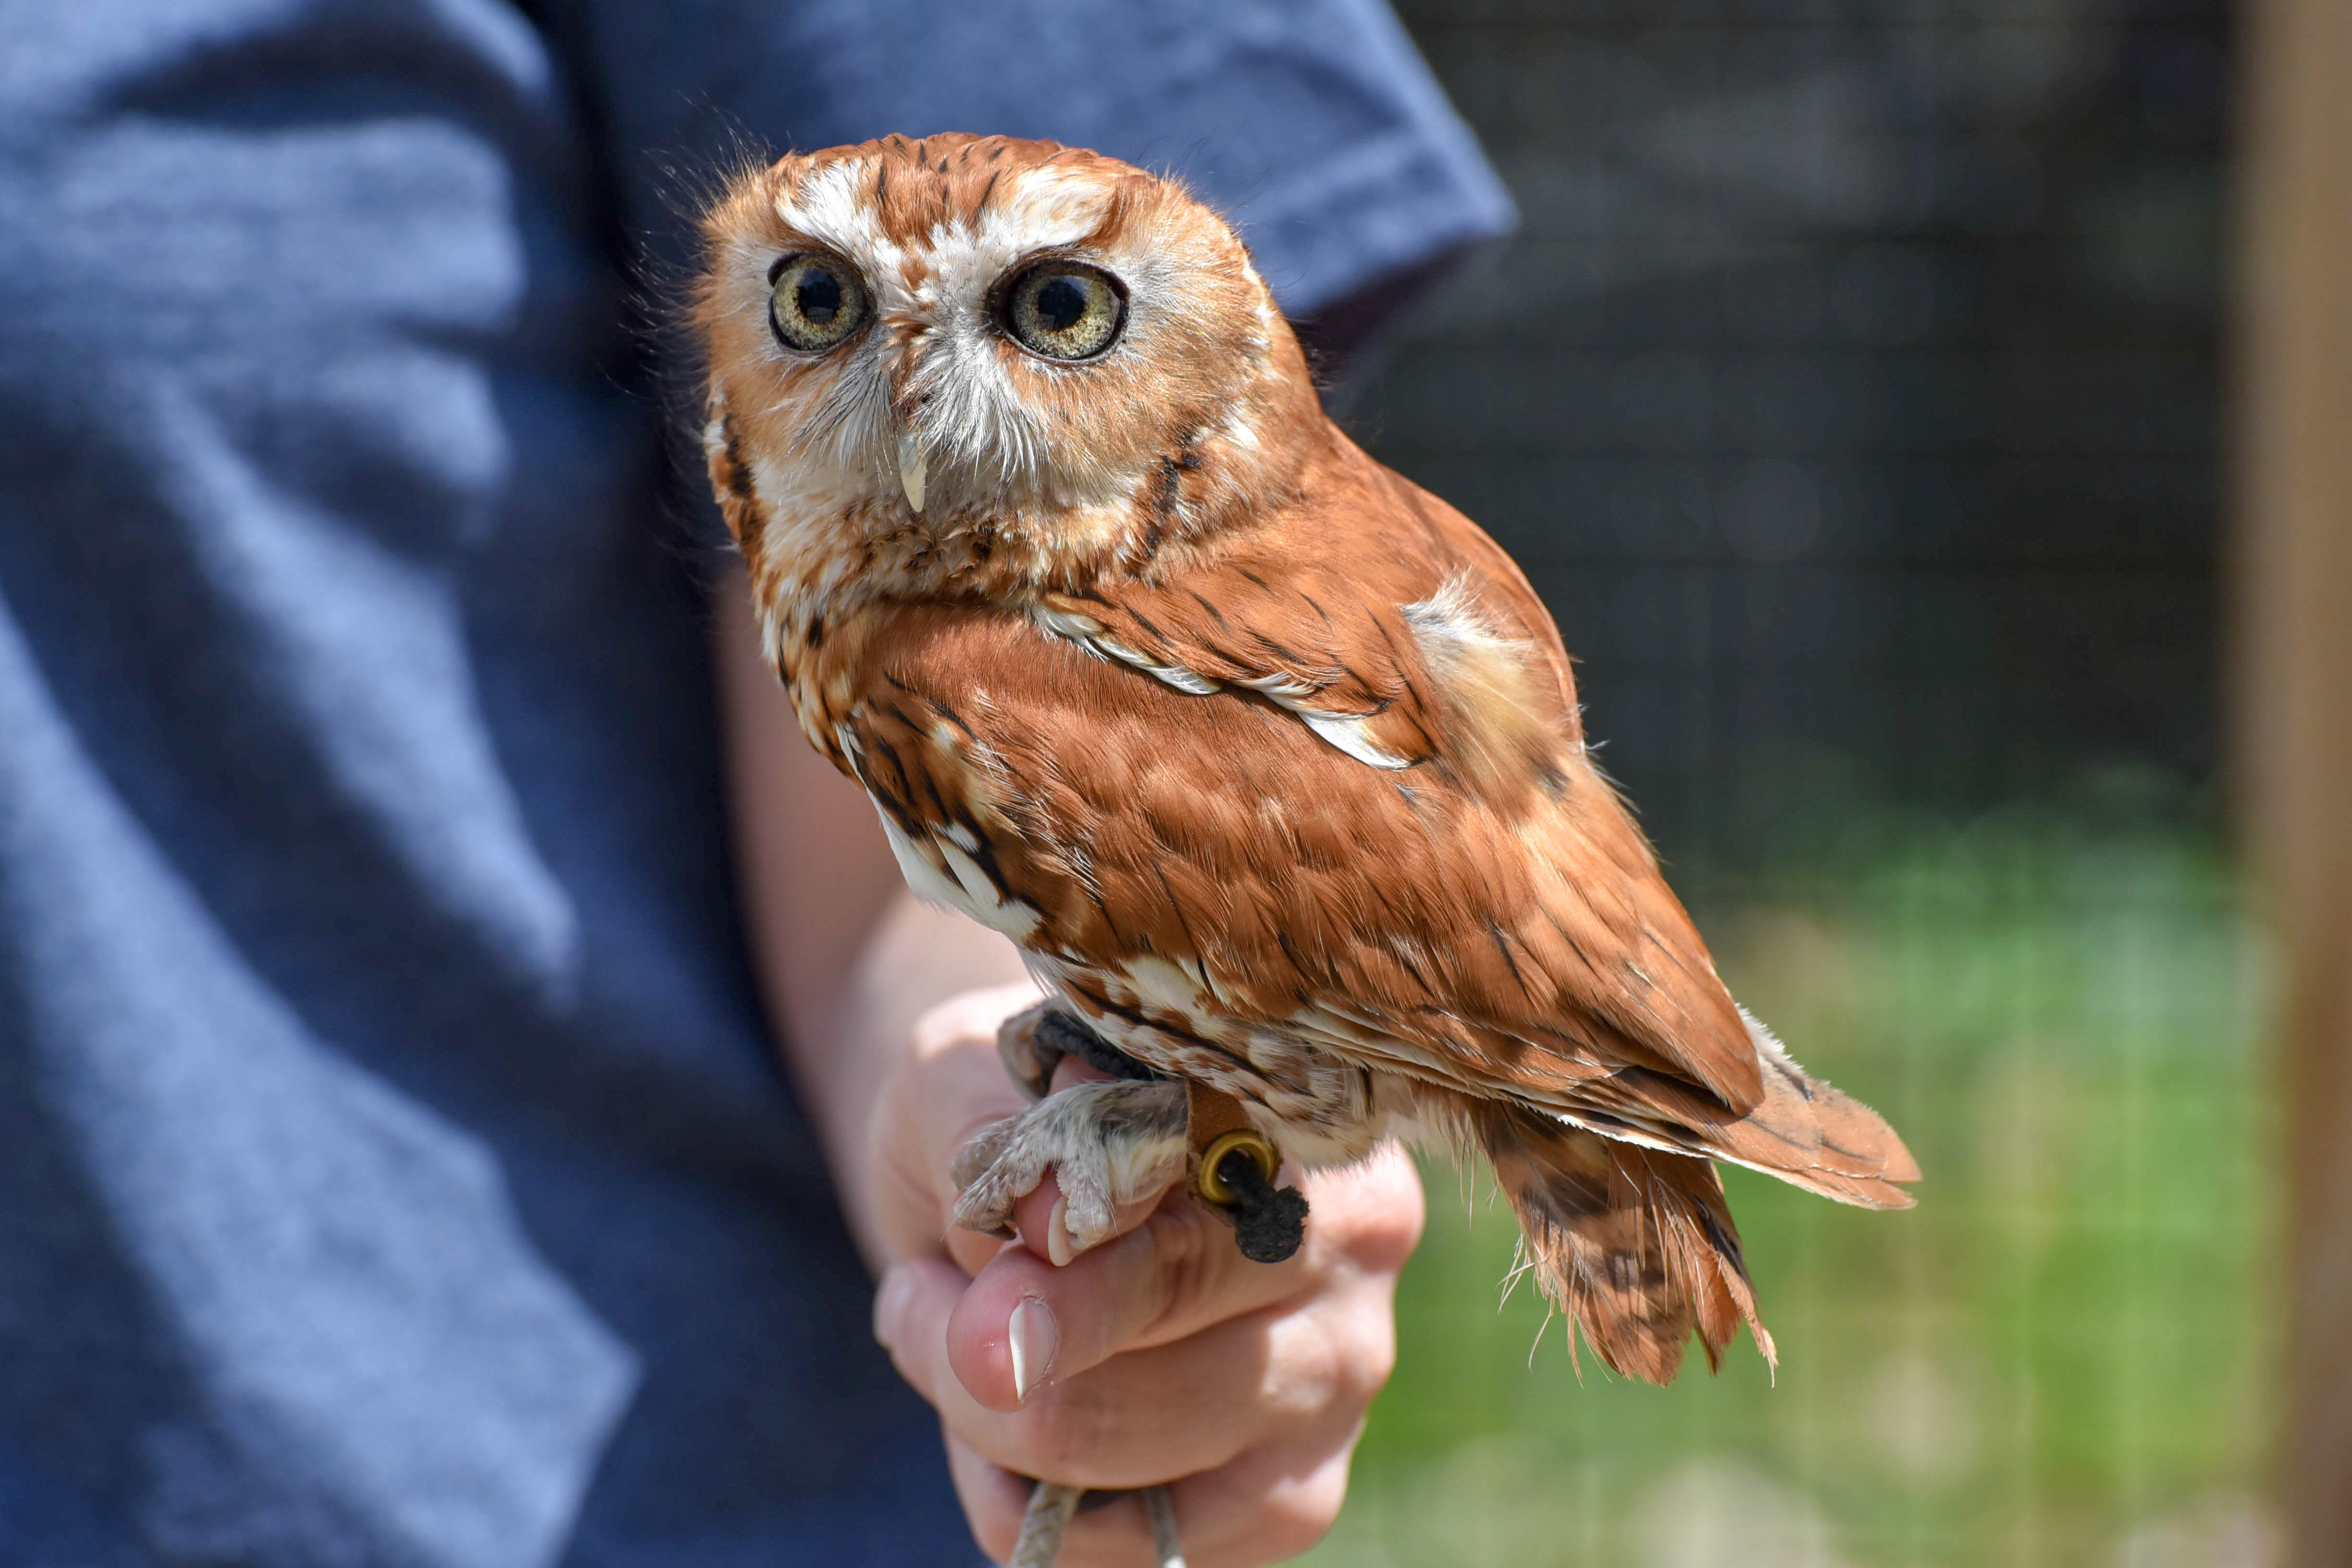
[(910, 469)]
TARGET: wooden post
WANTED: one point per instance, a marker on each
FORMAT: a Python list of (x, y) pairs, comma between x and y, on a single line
[(2293, 628)]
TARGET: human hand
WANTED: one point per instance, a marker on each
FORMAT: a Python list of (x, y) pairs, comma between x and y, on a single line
[(1160, 1356)]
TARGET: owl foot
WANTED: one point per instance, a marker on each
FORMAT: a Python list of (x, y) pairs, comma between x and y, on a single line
[(1034, 1042), (1106, 1143)]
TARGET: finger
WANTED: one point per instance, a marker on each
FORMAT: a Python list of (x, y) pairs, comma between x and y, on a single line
[(1075, 1069), (1394, 1209), (1266, 1505), (1189, 1404), (944, 1092), (1037, 1213), (1023, 1323), (1106, 1533), (1173, 1410), (955, 1042), (1147, 1416), (971, 1250), (994, 1499), (971, 1089)]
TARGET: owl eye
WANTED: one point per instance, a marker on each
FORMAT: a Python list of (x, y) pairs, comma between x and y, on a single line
[(815, 301), (1065, 309)]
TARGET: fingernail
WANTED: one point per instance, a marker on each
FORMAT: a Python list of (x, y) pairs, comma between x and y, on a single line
[(890, 1303), (1032, 1337), (1057, 1235)]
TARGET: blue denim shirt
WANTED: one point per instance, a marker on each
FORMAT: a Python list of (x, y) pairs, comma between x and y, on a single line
[(394, 1168)]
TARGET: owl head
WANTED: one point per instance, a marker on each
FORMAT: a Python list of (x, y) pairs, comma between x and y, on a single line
[(975, 361)]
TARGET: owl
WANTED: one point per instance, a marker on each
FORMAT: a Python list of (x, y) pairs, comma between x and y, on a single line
[(1270, 762)]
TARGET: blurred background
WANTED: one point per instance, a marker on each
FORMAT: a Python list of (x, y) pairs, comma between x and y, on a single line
[(1853, 393)]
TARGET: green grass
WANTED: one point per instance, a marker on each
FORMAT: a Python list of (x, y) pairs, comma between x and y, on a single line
[(2060, 1357)]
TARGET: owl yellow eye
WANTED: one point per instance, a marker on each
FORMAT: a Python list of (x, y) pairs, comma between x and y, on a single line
[(815, 301), (1065, 309)]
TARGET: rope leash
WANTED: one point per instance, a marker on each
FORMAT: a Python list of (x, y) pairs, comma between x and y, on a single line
[(1051, 1506), (1233, 1170)]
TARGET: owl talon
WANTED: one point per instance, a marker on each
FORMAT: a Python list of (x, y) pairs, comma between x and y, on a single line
[(1035, 1041), (1109, 1144), (1029, 1059)]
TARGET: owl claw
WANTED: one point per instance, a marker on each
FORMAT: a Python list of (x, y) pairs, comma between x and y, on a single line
[(1109, 1145), (1034, 1043), (1029, 1060)]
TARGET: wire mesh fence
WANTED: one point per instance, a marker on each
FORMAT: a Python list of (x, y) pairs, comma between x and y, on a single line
[(2060, 1357), (1849, 390), (1850, 395)]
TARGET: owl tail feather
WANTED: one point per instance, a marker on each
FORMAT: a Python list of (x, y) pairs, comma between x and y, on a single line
[(1635, 1244)]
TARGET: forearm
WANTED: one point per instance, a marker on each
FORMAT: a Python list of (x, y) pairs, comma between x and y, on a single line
[(845, 958)]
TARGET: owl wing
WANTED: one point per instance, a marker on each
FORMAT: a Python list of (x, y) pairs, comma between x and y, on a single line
[(1337, 626), (1345, 797)]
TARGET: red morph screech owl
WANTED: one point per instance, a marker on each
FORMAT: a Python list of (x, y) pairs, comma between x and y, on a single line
[(1269, 761)]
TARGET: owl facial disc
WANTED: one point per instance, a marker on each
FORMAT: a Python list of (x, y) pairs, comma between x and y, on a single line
[(1002, 344)]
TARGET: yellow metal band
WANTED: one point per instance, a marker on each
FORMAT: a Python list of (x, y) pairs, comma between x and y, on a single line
[(1211, 1186)]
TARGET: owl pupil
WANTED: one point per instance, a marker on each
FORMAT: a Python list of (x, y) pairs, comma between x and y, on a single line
[(1060, 303), (818, 297)]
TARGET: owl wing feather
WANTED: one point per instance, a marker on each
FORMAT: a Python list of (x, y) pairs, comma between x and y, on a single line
[(1472, 907)]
